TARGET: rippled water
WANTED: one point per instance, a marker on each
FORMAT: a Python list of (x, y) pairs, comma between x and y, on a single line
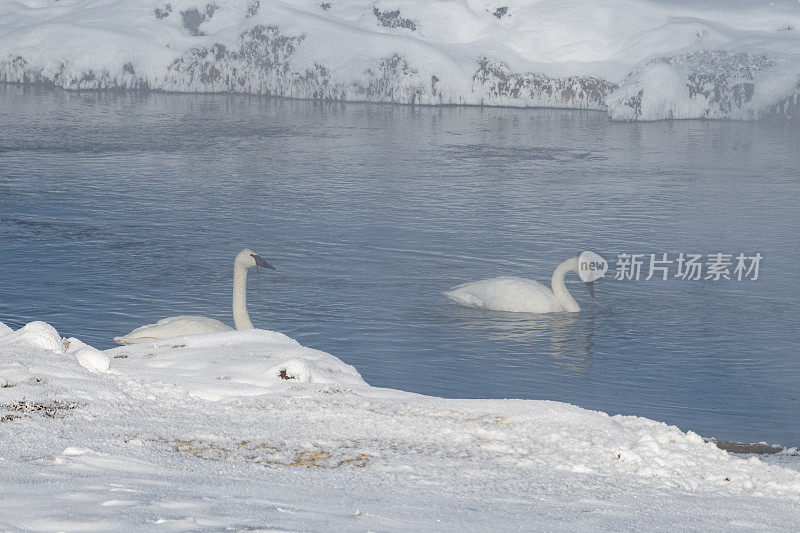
[(118, 209)]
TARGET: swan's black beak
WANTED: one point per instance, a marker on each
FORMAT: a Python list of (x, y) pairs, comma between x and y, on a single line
[(260, 262), (590, 287)]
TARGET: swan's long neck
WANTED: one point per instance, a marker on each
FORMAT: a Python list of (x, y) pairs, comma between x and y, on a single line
[(563, 297), (241, 319)]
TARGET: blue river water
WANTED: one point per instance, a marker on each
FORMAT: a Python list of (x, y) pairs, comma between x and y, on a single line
[(118, 209)]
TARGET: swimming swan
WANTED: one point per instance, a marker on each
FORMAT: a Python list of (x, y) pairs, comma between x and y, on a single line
[(175, 326), (520, 295)]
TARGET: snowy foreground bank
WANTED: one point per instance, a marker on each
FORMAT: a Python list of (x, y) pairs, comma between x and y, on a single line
[(250, 430), (638, 60)]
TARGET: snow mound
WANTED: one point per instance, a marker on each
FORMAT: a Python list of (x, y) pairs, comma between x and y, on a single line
[(89, 358), (152, 437), (639, 60), (709, 84), (225, 365), (36, 334), (37, 378)]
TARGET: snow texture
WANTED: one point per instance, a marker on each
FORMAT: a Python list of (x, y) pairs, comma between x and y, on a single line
[(636, 60), (249, 430)]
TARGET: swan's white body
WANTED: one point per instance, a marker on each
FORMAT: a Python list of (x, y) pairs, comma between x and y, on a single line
[(519, 295), (176, 326)]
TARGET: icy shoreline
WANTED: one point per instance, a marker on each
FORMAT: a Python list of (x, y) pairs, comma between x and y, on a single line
[(636, 61), (252, 430)]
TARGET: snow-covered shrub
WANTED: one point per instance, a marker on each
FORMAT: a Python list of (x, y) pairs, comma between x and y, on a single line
[(392, 19), (163, 12), (500, 12), (498, 84)]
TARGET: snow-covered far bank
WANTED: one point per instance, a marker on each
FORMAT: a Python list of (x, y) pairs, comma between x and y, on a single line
[(638, 60), (251, 430)]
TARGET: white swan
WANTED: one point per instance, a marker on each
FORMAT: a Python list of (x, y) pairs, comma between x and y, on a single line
[(520, 295), (175, 326)]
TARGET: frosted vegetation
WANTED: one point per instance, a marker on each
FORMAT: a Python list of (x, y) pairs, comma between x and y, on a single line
[(636, 60), (249, 430)]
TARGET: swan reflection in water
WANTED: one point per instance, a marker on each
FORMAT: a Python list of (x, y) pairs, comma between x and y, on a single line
[(570, 336)]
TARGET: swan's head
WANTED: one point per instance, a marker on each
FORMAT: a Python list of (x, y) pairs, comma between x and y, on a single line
[(248, 258), (591, 267), (590, 287)]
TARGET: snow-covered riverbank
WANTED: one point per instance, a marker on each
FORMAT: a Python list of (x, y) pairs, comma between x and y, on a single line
[(637, 60), (252, 430)]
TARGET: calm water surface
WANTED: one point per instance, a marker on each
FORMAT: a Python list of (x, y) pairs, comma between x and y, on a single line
[(120, 209)]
